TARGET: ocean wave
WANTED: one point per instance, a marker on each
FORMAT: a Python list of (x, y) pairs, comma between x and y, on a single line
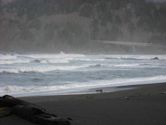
[(128, 65), (9, 59), (8, 56), (40, 69), (42, 61), (76, 56), (110, 66), (135, 57), (43, 68), (124, 65), (61, 89), (94, 66), (16, 61), (38, 58)]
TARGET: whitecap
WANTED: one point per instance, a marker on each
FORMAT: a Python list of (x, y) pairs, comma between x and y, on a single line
[(64, 88)]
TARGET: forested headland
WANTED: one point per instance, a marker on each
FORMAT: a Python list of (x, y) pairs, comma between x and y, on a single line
[(81, 25)]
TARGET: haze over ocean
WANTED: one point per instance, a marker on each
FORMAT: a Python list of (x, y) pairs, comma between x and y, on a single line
[(78, 26), (38, 37), (83, 62)]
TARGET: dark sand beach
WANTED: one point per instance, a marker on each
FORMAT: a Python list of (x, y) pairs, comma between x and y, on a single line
[(144, 105)]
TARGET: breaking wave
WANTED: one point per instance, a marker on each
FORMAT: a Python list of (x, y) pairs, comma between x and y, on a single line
[(72, 87), (39, 69), (66, 58), (62, 72)]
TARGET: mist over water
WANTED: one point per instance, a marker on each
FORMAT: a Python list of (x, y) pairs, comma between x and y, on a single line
[(114, 43), (79, 26)]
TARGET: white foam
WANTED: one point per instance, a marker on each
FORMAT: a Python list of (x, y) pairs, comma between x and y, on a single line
[(65, 58), (127, 65), (7, 56), (55, 56), (14, 61), (61, 89), (163, 57), (123, 65), (76, 62), (38, 68), (43, 58)]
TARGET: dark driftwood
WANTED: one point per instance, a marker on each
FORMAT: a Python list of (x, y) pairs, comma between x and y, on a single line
[(31, 112)]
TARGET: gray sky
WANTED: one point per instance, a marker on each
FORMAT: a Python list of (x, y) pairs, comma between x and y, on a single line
[(157, 0), (7, 1)]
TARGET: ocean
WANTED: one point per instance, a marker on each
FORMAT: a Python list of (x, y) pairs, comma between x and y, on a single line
[(58, 74)]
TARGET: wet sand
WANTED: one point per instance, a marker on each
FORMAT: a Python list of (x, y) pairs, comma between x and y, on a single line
[(143, 105)]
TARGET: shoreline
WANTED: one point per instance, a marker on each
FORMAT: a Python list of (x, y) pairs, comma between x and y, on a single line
[(86, 91), (117, 91), (142, 105)]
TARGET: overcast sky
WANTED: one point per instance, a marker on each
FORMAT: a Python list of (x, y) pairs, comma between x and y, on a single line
[(159, 0), (7, 1)]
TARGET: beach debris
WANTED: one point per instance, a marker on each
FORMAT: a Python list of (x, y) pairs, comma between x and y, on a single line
[(4, 111), (99, 90), (32, 112)]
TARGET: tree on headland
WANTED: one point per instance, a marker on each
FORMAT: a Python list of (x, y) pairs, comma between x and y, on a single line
[(61, 23)]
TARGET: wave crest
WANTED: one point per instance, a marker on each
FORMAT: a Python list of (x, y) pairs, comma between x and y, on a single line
[(71, 87)]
